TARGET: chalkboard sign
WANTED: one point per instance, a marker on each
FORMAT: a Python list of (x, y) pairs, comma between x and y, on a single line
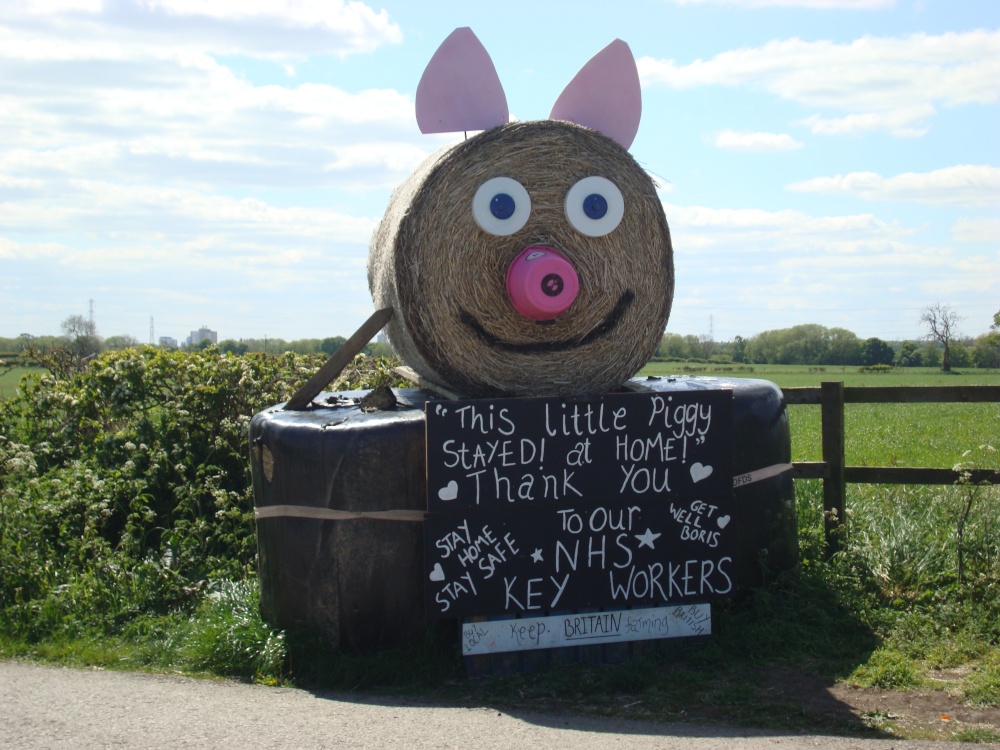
[(556, 504)]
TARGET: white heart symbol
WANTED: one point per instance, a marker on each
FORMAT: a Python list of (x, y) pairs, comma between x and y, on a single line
[(438, 573), (723, 521), (699, 472), (450, 492)]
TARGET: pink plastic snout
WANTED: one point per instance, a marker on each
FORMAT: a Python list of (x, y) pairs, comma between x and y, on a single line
[(541, 283)]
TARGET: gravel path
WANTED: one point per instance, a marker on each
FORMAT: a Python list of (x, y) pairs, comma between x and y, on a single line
[(49, 707)]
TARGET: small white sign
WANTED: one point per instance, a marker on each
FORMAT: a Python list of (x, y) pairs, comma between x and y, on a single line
[(557, 631)]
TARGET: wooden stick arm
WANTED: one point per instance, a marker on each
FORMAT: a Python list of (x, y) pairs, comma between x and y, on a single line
[(338, 361)]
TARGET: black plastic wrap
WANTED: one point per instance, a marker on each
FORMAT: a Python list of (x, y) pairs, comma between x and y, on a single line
[(359, 582)]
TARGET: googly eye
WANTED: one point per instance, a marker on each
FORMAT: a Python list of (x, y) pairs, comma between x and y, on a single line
[(594, 206), (501, 206)]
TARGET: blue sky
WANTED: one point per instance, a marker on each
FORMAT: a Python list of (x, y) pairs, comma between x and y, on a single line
[(224, 163)]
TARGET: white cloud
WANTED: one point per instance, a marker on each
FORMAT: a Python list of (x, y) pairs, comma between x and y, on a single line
[(82, 95), (11, 250), (190, 119), (902, 122), (139, 250), (968, 229), (966, 185), (769, 233), (735, 140), (265, 28), (782, 268), (13, 183), (110, 211), (330, 14), (362, 161), (133, 158), (112, 239), (883, 83)]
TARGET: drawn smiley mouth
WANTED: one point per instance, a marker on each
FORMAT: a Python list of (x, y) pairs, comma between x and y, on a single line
[(608, 324)]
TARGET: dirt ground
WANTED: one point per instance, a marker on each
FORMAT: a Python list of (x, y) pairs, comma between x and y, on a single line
[(930, 714)]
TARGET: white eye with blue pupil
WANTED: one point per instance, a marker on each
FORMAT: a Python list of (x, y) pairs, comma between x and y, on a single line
[(501, 206), (594, 206)]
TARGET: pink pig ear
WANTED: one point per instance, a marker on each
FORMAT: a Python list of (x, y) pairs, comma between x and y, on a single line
[(605, 95), (460, 89)]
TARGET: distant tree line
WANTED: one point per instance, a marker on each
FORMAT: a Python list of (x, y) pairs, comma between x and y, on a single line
[(808, 344), (81, 343), (813, 344), (300, 346)]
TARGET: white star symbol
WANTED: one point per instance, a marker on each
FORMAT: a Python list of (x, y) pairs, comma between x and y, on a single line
[(536, 555), (647, 539)]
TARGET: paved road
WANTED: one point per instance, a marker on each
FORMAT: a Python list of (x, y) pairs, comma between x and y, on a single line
[(47, 707)]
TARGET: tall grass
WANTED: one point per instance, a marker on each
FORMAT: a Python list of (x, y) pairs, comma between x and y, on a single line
[(228, 637), (898, 572)]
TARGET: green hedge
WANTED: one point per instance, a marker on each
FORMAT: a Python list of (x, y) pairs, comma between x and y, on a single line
[(126, 489)]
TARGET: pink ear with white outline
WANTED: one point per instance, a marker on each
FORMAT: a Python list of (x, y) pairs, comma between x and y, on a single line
[(605, 95), (460, 89)]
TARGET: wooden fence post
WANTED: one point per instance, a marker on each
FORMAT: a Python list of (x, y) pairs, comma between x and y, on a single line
[(834, 487)]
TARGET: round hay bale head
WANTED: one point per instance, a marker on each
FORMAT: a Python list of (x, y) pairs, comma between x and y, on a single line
[(457, 322)]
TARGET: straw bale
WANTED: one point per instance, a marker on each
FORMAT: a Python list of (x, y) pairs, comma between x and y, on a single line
[(446, 278)]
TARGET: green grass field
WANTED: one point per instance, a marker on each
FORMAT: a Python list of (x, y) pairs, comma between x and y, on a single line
[(792, 376), (933, 435), (10, 379)]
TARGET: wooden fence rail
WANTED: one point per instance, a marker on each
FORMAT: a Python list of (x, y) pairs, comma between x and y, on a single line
[(831, 397)]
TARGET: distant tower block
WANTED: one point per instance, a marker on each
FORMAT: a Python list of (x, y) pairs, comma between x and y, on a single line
[(202, 334)]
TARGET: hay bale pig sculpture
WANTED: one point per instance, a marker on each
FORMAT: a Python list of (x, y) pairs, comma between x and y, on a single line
[(534, 258)]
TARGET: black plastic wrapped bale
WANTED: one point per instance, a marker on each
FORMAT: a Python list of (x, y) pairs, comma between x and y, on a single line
[(360, 581), (765, 508)]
